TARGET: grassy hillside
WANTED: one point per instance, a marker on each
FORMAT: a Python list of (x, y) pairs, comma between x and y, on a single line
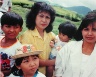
[(22, 7)]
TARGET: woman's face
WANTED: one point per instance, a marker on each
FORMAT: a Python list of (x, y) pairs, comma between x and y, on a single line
[(29, 65), (42, 20), (89, 33)]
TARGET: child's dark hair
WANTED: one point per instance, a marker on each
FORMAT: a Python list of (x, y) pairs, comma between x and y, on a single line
[(12, 19), (35, 9), (88, 19), (15, 71), (68, 29)]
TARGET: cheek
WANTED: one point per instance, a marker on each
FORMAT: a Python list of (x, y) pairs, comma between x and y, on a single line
[(37, 63), (49, 21)]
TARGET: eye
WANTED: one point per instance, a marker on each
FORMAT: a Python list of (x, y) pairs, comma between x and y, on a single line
[(17, 26), (40, 15), (25, 60), (94, 29), (8, 26), (35, 58), (48, 17), (85, 29)]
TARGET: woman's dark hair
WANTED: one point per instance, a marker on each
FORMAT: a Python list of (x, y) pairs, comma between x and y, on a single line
[(12, 19), (68, 29), (35, 9), (89, 18), (15, 71)]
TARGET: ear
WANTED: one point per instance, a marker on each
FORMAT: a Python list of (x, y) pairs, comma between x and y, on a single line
[(21, 29), (1, 27), (70, 38)]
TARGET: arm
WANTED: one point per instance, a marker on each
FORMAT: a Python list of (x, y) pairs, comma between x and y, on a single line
[(46, 62), (10, 5)]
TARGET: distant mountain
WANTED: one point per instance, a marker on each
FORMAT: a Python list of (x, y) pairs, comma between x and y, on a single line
[(79, 9)]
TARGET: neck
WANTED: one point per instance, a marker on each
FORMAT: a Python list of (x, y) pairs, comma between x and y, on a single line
[(41, 32), (28, 75), (5, 42), (87, 48)]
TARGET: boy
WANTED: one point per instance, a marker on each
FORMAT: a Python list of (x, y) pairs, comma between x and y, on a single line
[(11, 25), (66, 32)]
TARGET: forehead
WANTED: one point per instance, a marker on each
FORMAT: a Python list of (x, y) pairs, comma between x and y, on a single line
[(93, 24), (44, 12), (30, 56)]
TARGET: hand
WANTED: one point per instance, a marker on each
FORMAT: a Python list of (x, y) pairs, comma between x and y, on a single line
[(1, 74), (52, 44)]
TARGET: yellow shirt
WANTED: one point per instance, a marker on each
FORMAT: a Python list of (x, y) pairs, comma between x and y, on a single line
[(34, 38)]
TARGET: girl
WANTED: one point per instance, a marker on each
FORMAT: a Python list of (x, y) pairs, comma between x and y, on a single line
[(27, 62)]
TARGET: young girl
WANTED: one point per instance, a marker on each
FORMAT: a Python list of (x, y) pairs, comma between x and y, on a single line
[(27, 62), (39, 23)]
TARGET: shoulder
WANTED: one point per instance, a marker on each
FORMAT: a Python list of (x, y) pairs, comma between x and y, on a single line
[(11, 75), (74, 43), (27, 33), (40, 75), (52, 35)]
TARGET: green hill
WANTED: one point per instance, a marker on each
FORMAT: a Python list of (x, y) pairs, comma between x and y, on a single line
[(62, 15)]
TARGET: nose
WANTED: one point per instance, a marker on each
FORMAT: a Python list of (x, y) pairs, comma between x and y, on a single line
[(12, 29), (43, 19), (31, 64), (90, 32)]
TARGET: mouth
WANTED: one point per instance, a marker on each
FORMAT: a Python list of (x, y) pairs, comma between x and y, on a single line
[(89, 38), (43, 24)]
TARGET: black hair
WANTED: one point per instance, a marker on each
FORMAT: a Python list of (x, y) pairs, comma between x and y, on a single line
[(88, 19), (68, 29), (15, 71), (12, 19), (35, 9)]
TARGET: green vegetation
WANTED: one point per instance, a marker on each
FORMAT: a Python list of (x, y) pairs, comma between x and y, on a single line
[(62, 15)]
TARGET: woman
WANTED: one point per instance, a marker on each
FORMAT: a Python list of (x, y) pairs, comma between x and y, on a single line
[(77, 58), (39, 23)]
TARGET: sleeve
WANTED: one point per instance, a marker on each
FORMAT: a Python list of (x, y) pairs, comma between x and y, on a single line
[(10, 3), (53, 36), (61, 60), (58, 66)]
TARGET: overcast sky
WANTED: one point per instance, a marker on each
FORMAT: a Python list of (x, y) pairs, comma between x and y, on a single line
[(67, 3)]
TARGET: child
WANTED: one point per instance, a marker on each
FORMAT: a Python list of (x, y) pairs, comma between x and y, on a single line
[(11, 25), (27, 62), (66, 32), (39, 23)]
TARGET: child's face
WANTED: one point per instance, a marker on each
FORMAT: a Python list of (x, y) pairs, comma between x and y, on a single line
[(42, 20), (29, 65), (11, 32), (63, 37)]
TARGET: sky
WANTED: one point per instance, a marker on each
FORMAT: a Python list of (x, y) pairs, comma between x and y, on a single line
[(68, 3)]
